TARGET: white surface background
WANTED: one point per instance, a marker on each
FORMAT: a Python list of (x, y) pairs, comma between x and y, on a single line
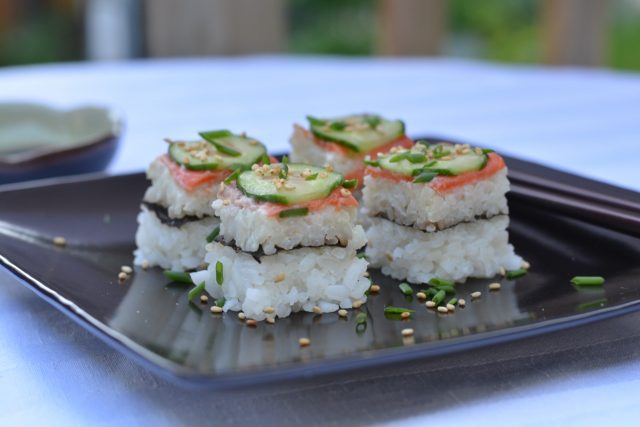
[(583, 121)]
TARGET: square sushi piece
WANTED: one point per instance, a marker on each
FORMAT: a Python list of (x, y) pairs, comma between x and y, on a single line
[(343, 142), (176, 213), (288, 242), (438, 211)]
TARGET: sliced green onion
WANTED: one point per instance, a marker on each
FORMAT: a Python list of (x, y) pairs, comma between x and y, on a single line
[(284, 172), (195, 291), (220, 302), (439, 297), (513, 274), (588, 280), (315, 121), (361, 255), (311, 177), (211, 137), (371, 162), (453, 301), (416, 157), (361, 318), (430, 292), (288, 213), (397, 310), (405, 288), (211, 237), (338, 125), (350, 183), (440, 282), (233, 176), (372, 121), (487, 151), (266, 160), (219, 273), (447, 289), (178, 276), (214, 134), (425, 177)]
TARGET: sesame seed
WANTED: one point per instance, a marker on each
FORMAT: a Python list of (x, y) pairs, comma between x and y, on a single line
[(145, 264), (304, 342), (461, 303), (204, 299), (251, 323), (279, 278), (494, 286), (122, 276), (342, 312), (322, 175), (268, 310), (289, 186), (328, 168), (242, 316), (271, 320), (442, 309), (226, 202), (405, 315), (254, 167), (451, 307), (344, 192), (59, 241), (374, 289), (430, 304), (215, 309), (526, 265), (478, 151), (446, 158), (476, 294), (502, 271), (357, 304), (366, 274), (317, 310), (407, 332), (126, 269), (421, 295)]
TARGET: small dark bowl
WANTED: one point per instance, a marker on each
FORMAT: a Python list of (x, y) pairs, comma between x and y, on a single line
[(37, 141)]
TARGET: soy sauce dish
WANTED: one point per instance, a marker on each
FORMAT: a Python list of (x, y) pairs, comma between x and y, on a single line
[(38, 141)]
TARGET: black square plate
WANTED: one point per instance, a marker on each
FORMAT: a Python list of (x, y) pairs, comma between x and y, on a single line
[(154, 322)]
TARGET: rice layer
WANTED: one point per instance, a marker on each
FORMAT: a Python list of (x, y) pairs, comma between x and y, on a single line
[(176, 248), (250, 227), (305, 150), (301, 279), (420, 206), (166, 192), (476, 249)]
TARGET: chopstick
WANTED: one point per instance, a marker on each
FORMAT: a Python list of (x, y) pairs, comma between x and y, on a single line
[(547, 185)]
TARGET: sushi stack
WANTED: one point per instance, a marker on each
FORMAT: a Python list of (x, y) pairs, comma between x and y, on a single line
[(438, 211), (287, 243), (343, 142), (176, 214)]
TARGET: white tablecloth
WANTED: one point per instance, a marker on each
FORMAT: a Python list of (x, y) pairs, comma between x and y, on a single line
[(583, 121)]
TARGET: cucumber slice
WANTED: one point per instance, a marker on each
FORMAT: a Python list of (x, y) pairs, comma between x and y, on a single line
[(360, 133), (414, 162), (296, 188), (221, 150)]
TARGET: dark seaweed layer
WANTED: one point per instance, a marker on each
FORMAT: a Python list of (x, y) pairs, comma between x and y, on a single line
[(163, 215)]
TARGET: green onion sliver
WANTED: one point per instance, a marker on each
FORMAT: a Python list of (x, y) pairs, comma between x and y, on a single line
[(405, 288), (453, 301), (588, 280), (211, 237), (439, 297), (178, 276), (196, 291), (371, 162), (440, 282), (397, 310), (361, 318), (220, 302), (288, 213), (219, 273), (513, 274), (211, 136), (233, 176), (284, 172), (265, 159), (350, 183), (311, 177)]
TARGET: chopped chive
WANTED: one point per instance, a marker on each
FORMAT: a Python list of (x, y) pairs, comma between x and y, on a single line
[(398, 157), (178, 276), (405, 288), (361, 318), (372, 121), (284, 172), (439, 297), (513, 274), (447, 289), (350, 183), (397, 310), (311, 177), (361, 255), (487, 151), (195, 291), (440, 282), (288, 213), (429, 292), (233, 176), (371, 162), (220, 302), (219, 273), (211, 237), (338, 125), (588, 280), (211, 137), (425, 177), (265, 159), (416, 157), (213, 134), (313, 121), (453, 301)]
